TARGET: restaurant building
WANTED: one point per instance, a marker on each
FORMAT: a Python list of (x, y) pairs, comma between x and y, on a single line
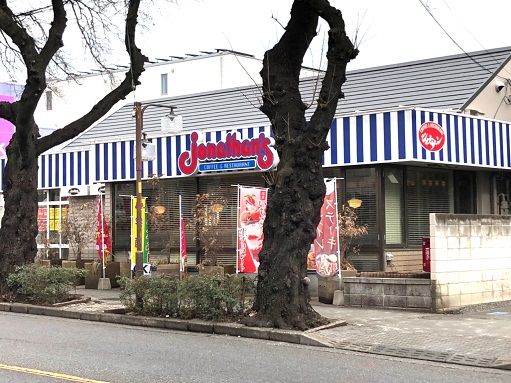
[(430, 136)]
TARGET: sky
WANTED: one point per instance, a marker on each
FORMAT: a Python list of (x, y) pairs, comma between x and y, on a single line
[(389, 31)]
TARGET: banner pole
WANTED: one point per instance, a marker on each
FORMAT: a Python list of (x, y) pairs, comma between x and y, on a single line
[(180, 243), (338, 236), (131, 237), (102, 232)]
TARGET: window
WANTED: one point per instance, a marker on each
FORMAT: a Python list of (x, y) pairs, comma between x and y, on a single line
[(164, 83), (427, 191), (361, 184), (51, 223), (502, 194), (394, 217), (49, 104)]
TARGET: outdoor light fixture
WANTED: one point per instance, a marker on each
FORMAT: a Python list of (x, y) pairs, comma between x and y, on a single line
[(148, 149), (172, 123), (354, 203), (499, 85), (217, 208), (145, 150), (159, 209)]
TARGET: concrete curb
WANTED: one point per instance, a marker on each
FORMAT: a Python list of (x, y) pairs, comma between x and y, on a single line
[(219, 328)]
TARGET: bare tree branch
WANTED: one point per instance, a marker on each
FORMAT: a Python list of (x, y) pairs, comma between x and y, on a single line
[(8, 111), (104, 105), (18, 35), (54, 41), (340, 52)]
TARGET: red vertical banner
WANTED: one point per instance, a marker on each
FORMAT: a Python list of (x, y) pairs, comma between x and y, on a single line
[(103, 239), (182, 237), (251, 214), (324, 252)]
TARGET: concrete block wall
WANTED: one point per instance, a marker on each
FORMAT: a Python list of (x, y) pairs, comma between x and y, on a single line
[(470, 259), (388, 292)]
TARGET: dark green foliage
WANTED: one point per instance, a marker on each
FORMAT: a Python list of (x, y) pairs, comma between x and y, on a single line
[(42, 285), (203, 297)]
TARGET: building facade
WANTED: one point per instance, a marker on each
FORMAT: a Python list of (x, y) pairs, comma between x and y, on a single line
[(404, 142)]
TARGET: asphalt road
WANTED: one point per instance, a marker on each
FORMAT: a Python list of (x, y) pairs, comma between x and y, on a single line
[(91, 352)]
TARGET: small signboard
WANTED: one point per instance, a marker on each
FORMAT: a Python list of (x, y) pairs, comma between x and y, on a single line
[(147, 269)]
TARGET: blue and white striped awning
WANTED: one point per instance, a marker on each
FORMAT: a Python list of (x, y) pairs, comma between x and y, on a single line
[(392, 136), (363, 139)]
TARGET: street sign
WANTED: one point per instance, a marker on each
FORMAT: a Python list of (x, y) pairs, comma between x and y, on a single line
[(147, 269)]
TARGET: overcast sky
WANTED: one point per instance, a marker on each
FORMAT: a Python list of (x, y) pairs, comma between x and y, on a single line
[(391, 31)]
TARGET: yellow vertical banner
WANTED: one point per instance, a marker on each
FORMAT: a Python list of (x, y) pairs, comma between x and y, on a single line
[(145, 239)]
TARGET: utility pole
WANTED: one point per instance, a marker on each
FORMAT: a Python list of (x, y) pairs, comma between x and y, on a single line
[(139, 121)]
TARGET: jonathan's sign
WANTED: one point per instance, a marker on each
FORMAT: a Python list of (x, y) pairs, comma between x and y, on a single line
[(231, 154)]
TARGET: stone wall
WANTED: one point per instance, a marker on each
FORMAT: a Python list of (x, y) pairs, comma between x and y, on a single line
[(388, 292), (470, 259)]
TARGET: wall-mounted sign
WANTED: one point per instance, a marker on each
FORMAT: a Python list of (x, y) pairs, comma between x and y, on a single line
[(231, 154), (431, 136)]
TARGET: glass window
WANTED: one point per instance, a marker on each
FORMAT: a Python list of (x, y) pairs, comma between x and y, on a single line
[(122, 220), (394, 214), (164, 83), (51, 228), (502, 194), (361, 185), (427, 191)]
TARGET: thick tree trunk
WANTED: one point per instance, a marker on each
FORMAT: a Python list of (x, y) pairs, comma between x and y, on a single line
[(19, 223), (282, 297)]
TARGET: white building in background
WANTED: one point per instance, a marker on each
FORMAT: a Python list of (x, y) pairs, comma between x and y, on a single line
[(66, 100)]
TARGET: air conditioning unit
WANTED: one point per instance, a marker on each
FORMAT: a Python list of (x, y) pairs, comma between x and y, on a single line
[(74, 191), (97, 189)]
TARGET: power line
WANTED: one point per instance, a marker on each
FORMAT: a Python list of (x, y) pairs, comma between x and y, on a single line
[(474, 37), (452, 39)]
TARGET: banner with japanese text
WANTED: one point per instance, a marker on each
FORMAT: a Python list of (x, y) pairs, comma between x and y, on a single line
[(145, 232), (251, 213), (103, 238), (324, 252), (182, 237)]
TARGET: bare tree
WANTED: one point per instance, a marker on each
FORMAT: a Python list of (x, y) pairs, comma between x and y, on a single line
[(79, 227), (38, 45), (282, 298)]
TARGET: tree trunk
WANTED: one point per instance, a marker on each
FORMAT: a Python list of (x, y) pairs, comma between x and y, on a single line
[(282, 297), (19, 223)]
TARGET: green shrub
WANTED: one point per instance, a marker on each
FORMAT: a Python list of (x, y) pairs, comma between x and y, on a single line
[(42, 285), (159, 295), (203, 297)]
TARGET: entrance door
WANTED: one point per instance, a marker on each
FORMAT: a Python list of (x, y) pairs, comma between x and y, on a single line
[(361, 186), (464, 192)]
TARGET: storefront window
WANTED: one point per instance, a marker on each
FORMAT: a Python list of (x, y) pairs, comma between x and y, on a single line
[(51, 216), (361, 185), (394, 217), (427, 191), (502, 194)]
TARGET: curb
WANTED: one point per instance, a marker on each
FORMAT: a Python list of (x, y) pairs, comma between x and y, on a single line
[(219, 328), (420, 354)]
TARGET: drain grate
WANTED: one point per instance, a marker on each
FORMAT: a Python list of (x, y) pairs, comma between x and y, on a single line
[(472, 360), (403, 352)]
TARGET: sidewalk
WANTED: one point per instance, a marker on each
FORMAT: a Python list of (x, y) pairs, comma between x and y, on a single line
[(475, 338), (481, 339)]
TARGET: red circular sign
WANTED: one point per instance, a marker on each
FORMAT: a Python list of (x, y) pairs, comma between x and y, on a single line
[(431, 136)]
